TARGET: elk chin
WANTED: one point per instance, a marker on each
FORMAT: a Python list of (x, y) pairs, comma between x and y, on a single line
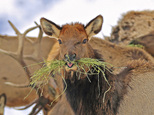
[(70, 71)]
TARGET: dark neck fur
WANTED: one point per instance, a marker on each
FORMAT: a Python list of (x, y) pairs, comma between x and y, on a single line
[(84, 97)]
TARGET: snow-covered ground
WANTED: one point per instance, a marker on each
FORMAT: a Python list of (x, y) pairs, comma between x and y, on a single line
[(23, 13)]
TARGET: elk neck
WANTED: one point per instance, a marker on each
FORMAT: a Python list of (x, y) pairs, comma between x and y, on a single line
[(86, 97)]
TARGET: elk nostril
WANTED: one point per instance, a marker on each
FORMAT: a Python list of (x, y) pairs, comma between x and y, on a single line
[(74, 56), (66, 56)]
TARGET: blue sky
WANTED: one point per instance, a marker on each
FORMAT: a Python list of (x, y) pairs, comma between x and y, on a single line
[(23, 13)]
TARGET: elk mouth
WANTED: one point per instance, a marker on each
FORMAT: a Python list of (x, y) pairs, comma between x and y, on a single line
[(69, 64)]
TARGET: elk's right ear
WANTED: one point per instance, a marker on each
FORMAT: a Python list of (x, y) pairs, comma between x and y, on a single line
[(94, 26), (50, 28)]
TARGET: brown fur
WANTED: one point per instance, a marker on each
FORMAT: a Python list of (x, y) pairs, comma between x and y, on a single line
[(131, 26), (147, 41), (116, 55), (70, 44), (133, 100)]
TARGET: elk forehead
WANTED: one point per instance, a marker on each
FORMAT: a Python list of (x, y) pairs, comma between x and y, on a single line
[(55, 31), (73, 31)]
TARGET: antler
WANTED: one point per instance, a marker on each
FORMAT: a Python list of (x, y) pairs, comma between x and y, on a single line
[(18, 55), (37, 46), (44, 101), (41, 103)]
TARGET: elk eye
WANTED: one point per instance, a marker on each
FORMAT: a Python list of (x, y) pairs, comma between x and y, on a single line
[(84, 41), (60, 42)]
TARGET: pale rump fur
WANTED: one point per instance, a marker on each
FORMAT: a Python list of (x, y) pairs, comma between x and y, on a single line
[(139, 99), (140, 96)]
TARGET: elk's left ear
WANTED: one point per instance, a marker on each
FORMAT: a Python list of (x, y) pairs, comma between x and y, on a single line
[(94, 26)]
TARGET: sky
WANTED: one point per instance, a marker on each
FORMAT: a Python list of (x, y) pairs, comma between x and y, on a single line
[(23, 13)]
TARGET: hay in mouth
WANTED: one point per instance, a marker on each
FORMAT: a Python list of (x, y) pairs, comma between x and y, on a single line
[(42, 76)]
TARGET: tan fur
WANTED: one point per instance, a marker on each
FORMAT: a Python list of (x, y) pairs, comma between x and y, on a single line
[(116, 55), (139, 99), (54, 52), (62, 108), (16, 74), (147, 41), (132, 25)]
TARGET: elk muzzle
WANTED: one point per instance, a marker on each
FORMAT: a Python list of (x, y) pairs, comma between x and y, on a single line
[(69, 59)]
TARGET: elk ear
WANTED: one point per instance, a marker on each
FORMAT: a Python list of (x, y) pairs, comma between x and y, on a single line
[(94, 26), (50, 28)]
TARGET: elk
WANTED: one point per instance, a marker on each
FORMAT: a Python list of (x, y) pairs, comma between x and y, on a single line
[(147, 41), (15, 82), (119, 56), (132, 25), (135, 27), (84, 97)]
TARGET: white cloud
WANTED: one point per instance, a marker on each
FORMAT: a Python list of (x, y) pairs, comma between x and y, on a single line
[(9, 7), (83, 11)]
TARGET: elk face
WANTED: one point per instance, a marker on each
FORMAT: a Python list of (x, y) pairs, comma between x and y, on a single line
[(73, 39)]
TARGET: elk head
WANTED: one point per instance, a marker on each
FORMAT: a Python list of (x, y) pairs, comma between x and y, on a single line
[(73, 39)]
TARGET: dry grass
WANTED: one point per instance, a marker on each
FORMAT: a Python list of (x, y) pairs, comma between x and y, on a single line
[(136, 45)]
